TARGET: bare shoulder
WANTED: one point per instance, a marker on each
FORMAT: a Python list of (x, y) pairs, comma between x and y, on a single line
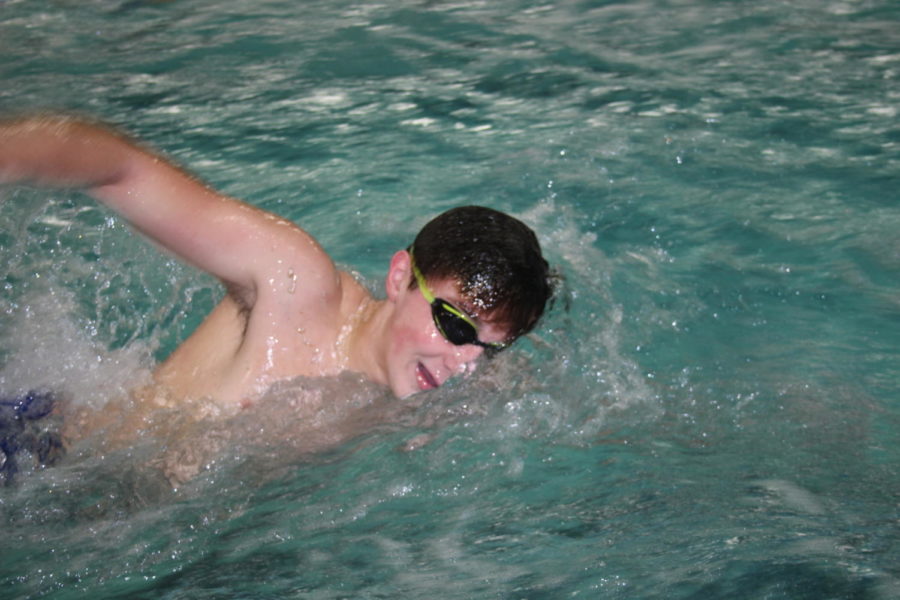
[(289, 266)]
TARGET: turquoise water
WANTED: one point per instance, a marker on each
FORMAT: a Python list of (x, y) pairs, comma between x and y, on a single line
[(711, 409)]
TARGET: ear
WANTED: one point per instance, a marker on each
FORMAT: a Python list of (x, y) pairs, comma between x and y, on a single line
[(399, 274)]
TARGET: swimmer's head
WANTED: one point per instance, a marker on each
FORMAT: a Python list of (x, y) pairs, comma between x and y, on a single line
[(495, 260)]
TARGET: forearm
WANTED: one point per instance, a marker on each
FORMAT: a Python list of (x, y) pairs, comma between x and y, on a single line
[(153, 195), (58, 151), (240, 244), (62, 152)]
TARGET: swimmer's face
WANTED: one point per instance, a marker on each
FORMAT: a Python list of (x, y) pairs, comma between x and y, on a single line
[(420, 357)]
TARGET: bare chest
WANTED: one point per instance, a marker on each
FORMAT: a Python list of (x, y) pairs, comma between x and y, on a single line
[(233, 357)]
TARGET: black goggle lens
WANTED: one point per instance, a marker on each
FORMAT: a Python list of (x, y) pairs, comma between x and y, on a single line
[(456, 329)]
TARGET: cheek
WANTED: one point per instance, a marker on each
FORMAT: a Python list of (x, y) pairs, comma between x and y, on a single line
[(413, 338), (408, 346), (412, 328), (416, 333)]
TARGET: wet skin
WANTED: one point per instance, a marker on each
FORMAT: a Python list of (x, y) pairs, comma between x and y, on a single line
[(420, 349)]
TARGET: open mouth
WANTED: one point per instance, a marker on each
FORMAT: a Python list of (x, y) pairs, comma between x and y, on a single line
[(425, 379)]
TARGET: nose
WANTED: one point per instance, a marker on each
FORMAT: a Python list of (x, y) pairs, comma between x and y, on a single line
[(460, 359)]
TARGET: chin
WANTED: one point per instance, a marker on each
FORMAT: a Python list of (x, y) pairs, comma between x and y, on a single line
[(403, 389)]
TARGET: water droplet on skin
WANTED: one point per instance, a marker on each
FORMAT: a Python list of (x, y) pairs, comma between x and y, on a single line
[(293, 277)]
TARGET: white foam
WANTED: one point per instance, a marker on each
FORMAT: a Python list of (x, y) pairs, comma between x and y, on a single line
[(49, 349)]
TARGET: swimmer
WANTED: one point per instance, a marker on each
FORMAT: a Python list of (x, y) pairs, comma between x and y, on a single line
[(470, 284)]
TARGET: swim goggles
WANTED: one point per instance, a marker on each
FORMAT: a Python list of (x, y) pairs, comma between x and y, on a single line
[(455, 325)]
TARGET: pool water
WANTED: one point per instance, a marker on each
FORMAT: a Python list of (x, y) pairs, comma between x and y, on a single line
[(710, 410)]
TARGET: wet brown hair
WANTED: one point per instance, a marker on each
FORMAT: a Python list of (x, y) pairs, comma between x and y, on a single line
[(495, 260)]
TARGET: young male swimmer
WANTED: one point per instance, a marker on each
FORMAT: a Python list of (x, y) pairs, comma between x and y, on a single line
[(472, 281)]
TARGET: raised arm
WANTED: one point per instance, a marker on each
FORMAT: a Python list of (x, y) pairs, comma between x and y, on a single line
[(234, 241)]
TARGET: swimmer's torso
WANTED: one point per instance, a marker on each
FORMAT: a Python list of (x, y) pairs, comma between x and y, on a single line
[(236, 354)]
